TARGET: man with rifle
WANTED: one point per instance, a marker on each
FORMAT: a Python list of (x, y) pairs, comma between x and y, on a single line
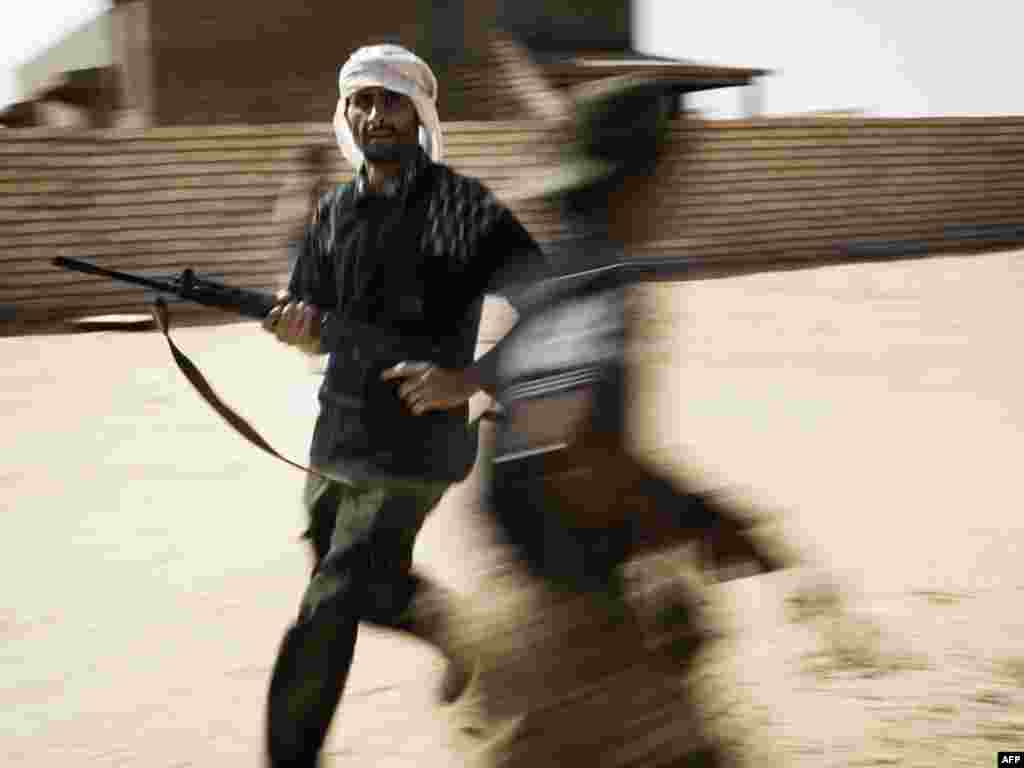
[(409, 249)]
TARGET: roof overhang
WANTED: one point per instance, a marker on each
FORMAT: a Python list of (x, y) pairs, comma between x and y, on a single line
[(571, 69)]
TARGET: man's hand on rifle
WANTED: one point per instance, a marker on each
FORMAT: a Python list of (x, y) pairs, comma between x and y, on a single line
[(295, 323)]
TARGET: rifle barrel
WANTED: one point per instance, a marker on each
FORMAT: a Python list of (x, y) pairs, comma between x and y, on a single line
[(85, 266)]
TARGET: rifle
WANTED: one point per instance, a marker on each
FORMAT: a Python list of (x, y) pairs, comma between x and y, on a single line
[(189, 286), (343, 337), (334, 334), (252, 304)]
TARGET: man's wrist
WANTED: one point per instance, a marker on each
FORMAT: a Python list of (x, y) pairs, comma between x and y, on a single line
[(472, 379), (480, 374)]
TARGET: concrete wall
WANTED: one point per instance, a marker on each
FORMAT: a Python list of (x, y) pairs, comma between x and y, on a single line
[(239, 62), (131, 34), (235, 61)]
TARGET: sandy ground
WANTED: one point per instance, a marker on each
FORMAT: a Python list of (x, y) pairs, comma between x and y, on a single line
[(152, 558)]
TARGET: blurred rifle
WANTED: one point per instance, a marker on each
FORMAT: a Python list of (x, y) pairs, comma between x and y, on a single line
[(188, 286), (255, 305), (355, 342)]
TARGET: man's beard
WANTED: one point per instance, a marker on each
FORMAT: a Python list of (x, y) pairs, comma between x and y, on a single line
[(389, 152)]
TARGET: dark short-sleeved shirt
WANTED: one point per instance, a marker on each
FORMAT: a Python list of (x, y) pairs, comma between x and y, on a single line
[(414, 265)]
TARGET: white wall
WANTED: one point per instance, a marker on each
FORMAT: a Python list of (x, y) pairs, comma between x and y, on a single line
[(887, 57)]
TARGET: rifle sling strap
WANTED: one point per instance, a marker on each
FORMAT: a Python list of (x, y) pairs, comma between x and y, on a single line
[(196, 378), (161, 315)]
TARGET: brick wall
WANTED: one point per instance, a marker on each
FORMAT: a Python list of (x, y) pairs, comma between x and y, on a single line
[(737, 195), (826, 188)]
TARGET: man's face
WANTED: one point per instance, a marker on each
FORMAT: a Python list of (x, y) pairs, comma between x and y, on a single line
[(384, 124)]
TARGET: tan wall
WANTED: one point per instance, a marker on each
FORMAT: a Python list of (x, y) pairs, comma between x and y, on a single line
[(235, 61), (800, 189), (738, 193)]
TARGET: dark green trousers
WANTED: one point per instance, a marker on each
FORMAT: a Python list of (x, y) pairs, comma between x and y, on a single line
[(362, 539)]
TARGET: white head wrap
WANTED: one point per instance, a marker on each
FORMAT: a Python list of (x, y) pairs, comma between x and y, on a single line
[(396, 69)]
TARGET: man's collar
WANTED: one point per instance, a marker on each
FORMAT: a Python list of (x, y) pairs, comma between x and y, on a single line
[(397, 187)]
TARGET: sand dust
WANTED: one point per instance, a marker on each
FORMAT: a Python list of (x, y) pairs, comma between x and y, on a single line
[(152, 557)]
